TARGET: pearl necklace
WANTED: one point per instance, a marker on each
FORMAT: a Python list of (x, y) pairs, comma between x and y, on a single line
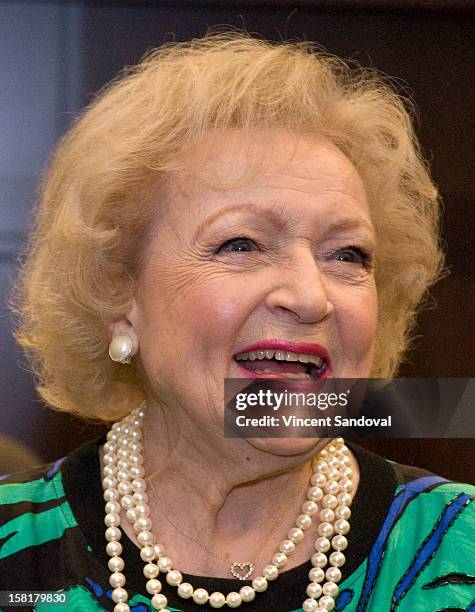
[(329, 497)]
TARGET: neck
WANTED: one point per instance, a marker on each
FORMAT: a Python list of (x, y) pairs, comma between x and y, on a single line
[(223, 501)]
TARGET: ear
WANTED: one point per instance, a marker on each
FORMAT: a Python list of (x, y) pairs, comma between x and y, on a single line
[(128, 325)]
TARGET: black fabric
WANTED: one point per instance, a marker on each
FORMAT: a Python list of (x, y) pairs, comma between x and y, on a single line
[(83, 488)]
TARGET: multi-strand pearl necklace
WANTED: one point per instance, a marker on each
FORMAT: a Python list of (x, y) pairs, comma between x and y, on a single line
[(328, 498)]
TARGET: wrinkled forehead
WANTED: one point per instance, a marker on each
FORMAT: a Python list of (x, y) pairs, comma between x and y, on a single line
[(264, 158)]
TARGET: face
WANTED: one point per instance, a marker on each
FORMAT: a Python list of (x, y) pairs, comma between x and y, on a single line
[(285, 254)]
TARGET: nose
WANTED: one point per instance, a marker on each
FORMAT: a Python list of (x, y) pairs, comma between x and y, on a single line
[(301, 292)]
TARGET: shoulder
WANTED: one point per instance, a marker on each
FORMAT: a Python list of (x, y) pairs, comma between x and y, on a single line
[(423, 552), (33, 508)]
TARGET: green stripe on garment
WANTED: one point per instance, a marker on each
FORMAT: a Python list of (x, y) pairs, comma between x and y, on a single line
[(36, 491), (32, 529)]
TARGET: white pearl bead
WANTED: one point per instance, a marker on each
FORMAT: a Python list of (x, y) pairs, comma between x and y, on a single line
[(331, 589), (153, 586), (296, 535), (327, 515), (109, 458), (135, 459), (174, 577), (233, 599), (185, 590), (332, 487), (147, 554), (131, 515), (310, 508), (315, 494), (122, 465), (111, 437), (319, 559), (247, 593), (325, 530), (123, 453), (316, 574), (116, 579), (145, 538), (314, 590), (329, 501), (337, 558), (259, 584), (112, 506), (124, 488), (318, 480), (270, 572), (341, 526), (110, 470), (142, 524), (339, 542), (217, 600), (309, 605), (200, 596), (123, 476), (150, 570), (113, 534), (333, 574), (112, 519), (115, 564), (159, 601), (140, 497), (114, 549), (343, 512), (137, 471), (279, 560), (119, 595), (303, 521), (320, 466), (138, 484), (164, 564), (287, 547), (322, 544), (346, 485), (121, 607), (111, 495), (327, 603), (344, 499), (142, 510)]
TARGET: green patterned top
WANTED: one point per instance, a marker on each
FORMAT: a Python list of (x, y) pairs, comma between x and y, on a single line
[(411, 544)]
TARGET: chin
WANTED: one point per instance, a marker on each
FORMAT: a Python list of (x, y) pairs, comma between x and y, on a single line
[(285, 447)]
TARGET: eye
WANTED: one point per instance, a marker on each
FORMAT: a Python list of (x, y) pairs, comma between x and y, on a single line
[(241, 243), (355, 255)]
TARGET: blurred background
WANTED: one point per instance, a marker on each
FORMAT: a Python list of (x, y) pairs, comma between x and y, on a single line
[(54, 56)]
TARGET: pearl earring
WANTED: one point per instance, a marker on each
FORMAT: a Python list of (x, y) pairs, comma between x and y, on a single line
[(120, 348)]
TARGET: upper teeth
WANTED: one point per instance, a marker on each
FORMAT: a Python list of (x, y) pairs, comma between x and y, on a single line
[(281, 356)]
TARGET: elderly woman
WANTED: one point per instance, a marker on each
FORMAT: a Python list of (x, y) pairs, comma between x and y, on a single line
[(229, 208)]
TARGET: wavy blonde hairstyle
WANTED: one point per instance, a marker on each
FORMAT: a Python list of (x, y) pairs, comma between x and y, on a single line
[(87, 245)]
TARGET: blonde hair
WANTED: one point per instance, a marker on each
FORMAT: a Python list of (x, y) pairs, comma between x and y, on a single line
[(79, 272)]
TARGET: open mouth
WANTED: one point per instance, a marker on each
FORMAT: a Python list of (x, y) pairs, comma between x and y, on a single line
[(280, 364)]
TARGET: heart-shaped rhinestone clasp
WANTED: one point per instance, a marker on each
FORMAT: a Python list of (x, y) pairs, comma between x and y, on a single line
[(242, 574)]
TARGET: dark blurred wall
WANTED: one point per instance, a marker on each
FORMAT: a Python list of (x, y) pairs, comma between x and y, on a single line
[(55, 56)]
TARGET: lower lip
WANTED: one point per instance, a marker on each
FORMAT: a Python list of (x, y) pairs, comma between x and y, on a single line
[(327, 373)]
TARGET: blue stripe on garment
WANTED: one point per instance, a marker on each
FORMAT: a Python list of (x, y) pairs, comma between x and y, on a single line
[(398, 506), (430, 545)]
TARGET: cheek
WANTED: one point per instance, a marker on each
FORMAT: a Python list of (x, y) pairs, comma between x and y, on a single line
[(357, 314)]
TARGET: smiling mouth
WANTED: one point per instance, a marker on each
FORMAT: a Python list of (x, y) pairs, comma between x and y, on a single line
[(281, 368)]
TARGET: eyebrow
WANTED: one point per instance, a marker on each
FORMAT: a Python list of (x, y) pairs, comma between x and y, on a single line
[(280, 218)]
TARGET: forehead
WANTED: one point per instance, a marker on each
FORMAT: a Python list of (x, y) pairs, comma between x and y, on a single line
[(264, 165)]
